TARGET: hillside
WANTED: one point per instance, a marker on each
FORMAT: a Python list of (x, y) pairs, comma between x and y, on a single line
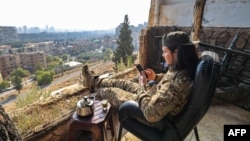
[(97, 67)]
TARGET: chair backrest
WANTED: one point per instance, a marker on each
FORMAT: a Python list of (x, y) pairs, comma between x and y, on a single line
[(206, 78)]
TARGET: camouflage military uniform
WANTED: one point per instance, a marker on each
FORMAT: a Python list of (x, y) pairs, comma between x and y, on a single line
[(117, 91), (167, 97)]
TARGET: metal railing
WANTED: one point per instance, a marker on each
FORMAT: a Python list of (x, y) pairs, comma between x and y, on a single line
[(235, 64)]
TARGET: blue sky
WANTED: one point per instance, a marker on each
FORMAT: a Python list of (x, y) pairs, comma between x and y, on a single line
[(73, 14)]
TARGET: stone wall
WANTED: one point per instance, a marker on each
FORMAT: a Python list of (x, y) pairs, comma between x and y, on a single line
[(150, 41)]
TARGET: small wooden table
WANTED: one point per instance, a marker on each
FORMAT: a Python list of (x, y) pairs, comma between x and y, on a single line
[(94, 123)]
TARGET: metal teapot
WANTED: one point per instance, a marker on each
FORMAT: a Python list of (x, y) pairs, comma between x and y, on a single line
[(85, 106)]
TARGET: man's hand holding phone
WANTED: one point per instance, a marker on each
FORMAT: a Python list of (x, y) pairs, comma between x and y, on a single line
[(149, 73)]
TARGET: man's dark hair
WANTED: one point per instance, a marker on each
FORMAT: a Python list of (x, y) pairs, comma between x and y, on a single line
[(187, 58)]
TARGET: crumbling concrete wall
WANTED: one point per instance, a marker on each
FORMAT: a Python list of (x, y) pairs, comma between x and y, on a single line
[(217, 13)]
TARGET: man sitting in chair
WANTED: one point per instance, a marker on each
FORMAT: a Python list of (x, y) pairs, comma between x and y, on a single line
[(171, 93)]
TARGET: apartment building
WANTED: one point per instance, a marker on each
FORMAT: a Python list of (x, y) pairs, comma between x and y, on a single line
[(7, 33), (8, 62), (27, 61), (5, 49), (31, 61)]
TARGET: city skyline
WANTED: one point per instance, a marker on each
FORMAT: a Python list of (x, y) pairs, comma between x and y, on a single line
[(73, 14), (27, 29)]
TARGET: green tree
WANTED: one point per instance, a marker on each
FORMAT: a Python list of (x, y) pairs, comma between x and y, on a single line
[(17, 81), (49, 58), (44, 77), (16, 77), (4, 85), (108, 54), (56, 59), (65, 57), (40, 66), (52, 62), (125, 47), (19, 72)]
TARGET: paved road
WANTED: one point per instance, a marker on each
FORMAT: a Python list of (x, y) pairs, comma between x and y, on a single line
[(12, 89)]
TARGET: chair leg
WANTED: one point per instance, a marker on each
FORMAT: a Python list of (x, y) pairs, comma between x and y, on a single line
[(120, 133), (196, 133)]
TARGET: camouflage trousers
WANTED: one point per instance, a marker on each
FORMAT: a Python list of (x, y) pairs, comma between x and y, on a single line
[(117, 91)]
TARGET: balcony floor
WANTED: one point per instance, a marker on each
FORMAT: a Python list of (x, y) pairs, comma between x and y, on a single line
[(210, 128)]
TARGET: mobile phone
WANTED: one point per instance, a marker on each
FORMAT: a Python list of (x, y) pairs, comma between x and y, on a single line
[(140, 69)]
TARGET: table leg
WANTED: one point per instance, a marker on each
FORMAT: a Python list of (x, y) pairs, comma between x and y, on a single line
[(111, 124), (101, 129)]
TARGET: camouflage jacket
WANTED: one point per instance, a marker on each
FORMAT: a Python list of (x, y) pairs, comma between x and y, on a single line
[(171, 94)]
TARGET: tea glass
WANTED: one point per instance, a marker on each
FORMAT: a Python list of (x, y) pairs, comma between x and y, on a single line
[(104, 104)]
